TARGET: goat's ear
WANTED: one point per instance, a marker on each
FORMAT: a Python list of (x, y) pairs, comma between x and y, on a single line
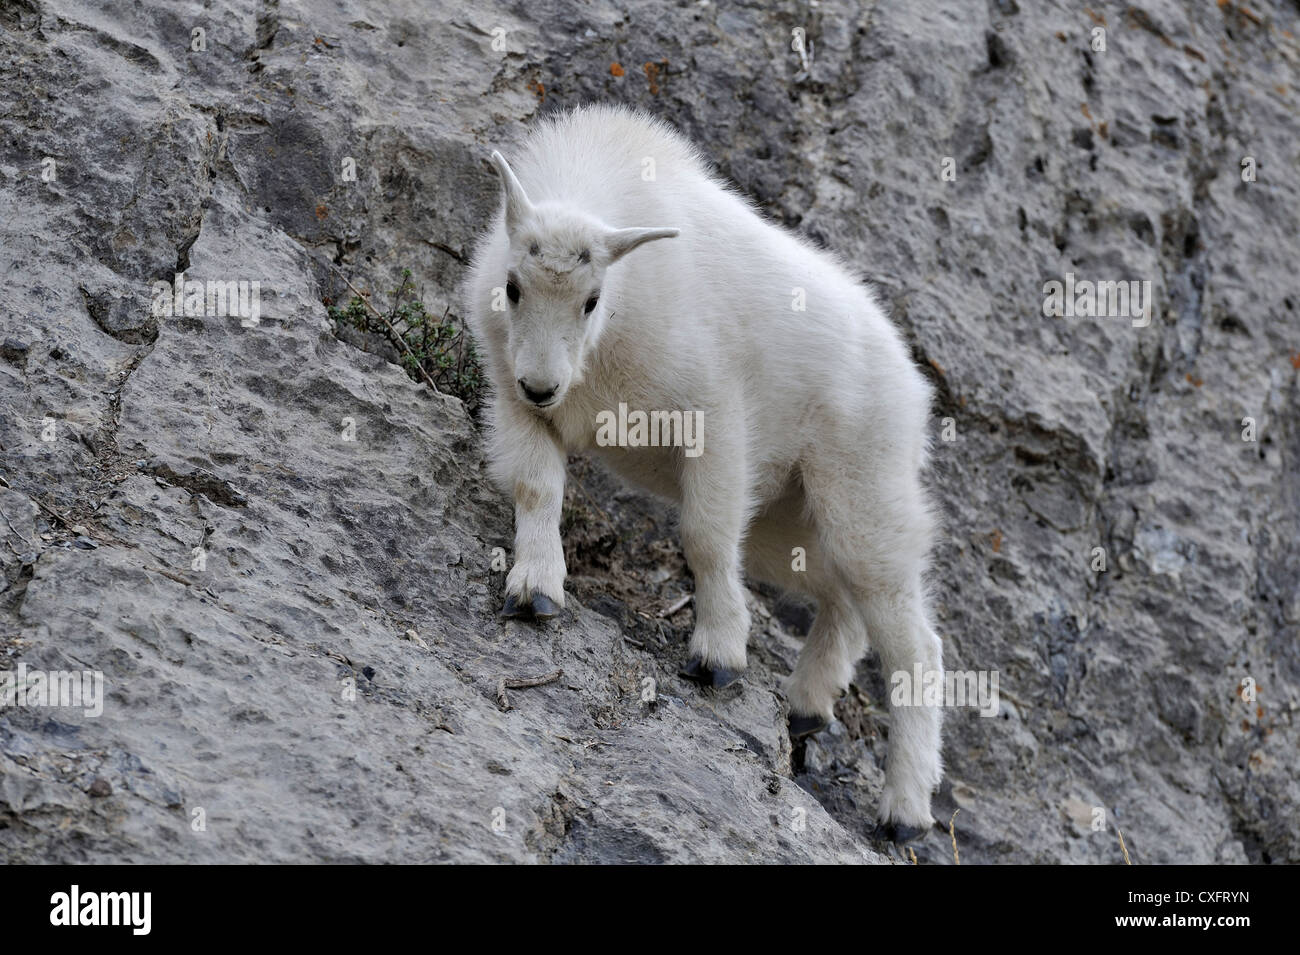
[(619, 242), (517, 205)]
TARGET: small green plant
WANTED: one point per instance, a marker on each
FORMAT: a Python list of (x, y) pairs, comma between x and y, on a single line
[(436, 349)]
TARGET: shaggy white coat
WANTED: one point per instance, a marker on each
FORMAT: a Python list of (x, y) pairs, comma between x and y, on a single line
[(814, 420)]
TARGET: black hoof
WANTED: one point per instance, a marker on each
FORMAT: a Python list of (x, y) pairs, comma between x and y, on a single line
[(540, 607), (514, 610), (898, 833), (697, 671), (544, 608), (801, 726)]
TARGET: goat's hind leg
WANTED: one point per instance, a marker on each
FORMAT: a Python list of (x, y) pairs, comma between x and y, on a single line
[(897, 627), (825, 665), (784, 547), (877, 533)]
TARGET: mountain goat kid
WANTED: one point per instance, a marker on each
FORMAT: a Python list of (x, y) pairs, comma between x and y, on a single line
[(813, 413)]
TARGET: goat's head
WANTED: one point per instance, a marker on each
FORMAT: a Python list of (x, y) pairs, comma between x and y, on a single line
[(554, 273)]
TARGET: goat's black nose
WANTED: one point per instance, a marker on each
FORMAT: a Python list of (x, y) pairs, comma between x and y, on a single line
[(537, 397)]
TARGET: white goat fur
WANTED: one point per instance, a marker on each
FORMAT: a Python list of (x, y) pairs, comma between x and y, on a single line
[(814, 421)]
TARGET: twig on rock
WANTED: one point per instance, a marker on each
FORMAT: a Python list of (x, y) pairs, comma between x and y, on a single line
[(167, 573), (14, 530), (522, 683), (678, 605), (66, 522)]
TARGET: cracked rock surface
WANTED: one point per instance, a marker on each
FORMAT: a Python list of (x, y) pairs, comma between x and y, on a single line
[(278, 549)]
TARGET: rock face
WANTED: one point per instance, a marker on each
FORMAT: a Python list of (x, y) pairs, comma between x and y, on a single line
[(277, 549)]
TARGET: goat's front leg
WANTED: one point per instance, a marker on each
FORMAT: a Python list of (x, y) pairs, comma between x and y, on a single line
[(714, 509), (528, 460)]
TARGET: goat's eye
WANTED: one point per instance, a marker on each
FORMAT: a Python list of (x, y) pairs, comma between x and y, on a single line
[(591, 305), (512, 292)]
